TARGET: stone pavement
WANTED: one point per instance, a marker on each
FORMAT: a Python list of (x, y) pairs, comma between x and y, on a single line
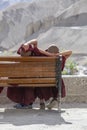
[(73, 117)]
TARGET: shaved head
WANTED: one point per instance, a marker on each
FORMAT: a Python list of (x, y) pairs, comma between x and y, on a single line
[(53, 49)]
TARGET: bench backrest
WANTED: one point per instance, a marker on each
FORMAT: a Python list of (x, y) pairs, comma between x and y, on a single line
[(30, 71)]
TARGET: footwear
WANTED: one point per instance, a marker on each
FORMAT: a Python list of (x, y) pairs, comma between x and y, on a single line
[(52, 103), (22, 106), (42, 106), (18, 106)]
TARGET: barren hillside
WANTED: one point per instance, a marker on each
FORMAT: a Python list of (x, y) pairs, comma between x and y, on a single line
[(50, 21)]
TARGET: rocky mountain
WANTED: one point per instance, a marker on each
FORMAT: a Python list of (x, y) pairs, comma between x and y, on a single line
[(50, 21)]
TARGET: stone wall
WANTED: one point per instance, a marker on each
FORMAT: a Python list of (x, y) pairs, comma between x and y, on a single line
[(76, 90)]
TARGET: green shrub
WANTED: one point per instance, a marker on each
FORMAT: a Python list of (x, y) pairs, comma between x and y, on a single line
[(70, 68)]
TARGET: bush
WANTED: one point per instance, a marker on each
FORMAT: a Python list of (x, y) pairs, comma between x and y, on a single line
[(70, 68)]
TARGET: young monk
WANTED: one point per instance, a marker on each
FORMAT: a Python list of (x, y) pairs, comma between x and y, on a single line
[(46, 93), (53, 90)]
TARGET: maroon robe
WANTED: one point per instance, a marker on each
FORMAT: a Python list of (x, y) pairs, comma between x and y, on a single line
[(1, 88), (24, 95), (47, 92), (54, 91)]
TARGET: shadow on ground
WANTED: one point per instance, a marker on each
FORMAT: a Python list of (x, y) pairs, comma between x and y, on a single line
[(28, 117)]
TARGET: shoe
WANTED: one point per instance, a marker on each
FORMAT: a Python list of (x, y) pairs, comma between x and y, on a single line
[(42, 106), (18, 106), (22, 106), (52, 103)]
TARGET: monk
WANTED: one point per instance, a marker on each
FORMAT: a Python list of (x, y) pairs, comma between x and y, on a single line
[(53, 90)]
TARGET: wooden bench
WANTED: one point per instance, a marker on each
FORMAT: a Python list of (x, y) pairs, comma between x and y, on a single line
[(31, 72)]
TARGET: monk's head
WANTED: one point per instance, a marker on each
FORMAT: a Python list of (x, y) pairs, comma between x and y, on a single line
[(28, 53), (53, 49)]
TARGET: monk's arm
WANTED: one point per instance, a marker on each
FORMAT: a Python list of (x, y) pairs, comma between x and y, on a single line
[(65, 53), (33, 43), (46, 53)]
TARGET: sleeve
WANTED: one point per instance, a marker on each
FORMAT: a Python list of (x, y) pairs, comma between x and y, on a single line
[(21, 49), (63, 62), (37, 52)]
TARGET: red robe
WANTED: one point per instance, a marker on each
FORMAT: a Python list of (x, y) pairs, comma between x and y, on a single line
[(47, 92), (24, 95), (1, 88)]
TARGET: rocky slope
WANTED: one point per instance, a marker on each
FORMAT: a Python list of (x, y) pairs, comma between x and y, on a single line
[(50, 21), (5, 3)]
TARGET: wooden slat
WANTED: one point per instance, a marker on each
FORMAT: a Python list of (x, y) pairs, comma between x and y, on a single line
[(24, 64), (29, 81), (25, 59), (27, 85), (26, 67), (29, 69), (27, 74)]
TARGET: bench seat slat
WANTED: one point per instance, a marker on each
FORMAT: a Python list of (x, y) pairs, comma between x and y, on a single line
[(25, 59), (26, 68), (27, 74), (27, 85), (21, 64), (28, 80)]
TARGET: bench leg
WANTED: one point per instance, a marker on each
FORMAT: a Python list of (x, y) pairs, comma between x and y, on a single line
[(59, 80), (59, 104)]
